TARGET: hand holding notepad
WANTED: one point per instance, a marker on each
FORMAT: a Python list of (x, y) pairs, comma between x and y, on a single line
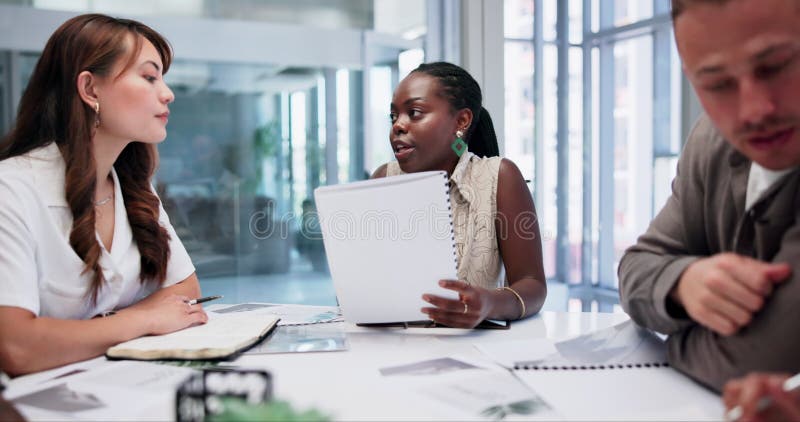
[(388, 242)]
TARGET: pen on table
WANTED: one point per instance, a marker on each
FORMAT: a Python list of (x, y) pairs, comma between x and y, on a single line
[(203, 299), (791, 384)]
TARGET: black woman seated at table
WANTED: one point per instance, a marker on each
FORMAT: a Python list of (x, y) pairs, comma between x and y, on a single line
[(82, 232), (439, 123)]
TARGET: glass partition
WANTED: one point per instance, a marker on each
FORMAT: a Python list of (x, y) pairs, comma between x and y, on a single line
[(252, 133), (244, 153)]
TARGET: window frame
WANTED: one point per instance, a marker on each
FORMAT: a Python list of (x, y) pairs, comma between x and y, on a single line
[(597, 260)]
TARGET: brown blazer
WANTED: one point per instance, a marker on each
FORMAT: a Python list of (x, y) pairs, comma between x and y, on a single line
[(704, 216)]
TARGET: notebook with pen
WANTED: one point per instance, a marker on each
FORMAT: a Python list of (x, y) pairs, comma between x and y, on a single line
[(388, 241), (222, 337)]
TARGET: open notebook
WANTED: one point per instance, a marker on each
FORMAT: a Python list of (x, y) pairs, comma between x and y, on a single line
[(388, 241), (222, 337)]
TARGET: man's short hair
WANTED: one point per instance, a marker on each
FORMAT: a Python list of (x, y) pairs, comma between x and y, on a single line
[(679, 6)]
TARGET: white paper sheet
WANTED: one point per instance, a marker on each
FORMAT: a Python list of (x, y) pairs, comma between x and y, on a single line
[(388, 241), (306, 338), (624, 394), (463, 388), (624, 344), (104, 393), (513, 353), (289, 314)]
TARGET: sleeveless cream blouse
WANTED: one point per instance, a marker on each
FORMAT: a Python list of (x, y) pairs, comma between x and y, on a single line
[(473, 195)]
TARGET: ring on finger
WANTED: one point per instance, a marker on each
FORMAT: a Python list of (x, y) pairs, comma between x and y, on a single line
[(466, 308)]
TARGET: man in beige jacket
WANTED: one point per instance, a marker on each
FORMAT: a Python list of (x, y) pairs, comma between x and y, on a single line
[(719, 267)]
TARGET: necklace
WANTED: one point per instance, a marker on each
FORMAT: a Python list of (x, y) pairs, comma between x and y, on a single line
[(103, 201)]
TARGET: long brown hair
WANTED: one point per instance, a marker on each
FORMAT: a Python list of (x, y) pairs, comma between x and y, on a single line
[(52, 111)]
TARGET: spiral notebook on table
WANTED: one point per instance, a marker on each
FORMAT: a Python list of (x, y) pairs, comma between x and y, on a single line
[(621, 346), (616, 373), (658, 394), (388, 241)]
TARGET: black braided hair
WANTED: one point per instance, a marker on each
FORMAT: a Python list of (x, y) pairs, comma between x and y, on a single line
[(462, 91)]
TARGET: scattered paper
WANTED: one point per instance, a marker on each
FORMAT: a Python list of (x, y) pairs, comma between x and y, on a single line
[(515, 353), (621, 345), (428, 367), (289, 314), (491, 395), (104, 393), (303, 339), (61, 399)]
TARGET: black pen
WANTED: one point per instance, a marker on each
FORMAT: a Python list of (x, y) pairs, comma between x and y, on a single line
[(203, 299)]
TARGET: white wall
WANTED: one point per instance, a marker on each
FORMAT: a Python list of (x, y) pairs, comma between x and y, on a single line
[(482, 55), (400, 16)]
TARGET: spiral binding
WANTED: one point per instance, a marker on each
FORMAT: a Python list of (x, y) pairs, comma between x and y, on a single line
[(452, 228), (590, 367)]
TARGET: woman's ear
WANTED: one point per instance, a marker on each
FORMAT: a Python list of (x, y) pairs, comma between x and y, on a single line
[(463, 119), (87, 88)]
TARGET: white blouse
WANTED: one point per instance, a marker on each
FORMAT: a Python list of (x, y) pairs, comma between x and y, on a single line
[(39, 270)]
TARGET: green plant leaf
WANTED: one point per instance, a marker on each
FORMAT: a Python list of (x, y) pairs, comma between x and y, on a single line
[(236, 409)]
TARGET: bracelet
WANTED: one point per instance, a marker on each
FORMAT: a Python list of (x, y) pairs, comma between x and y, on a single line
[(521, 302)]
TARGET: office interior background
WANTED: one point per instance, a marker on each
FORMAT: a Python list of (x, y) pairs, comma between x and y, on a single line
[(277, 97)]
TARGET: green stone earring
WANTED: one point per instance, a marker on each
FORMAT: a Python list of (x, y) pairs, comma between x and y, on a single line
[(459, 146)]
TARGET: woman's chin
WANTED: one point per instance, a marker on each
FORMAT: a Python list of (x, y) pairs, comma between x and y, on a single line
[(155, 139)]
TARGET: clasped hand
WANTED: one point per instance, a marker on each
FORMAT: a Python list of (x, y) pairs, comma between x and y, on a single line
[(724, 291), (472, 306)]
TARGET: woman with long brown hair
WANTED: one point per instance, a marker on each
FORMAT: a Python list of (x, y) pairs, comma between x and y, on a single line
[(82, 232)]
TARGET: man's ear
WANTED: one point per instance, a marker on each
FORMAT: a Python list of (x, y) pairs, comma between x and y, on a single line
[(463, 119), (87, 88)]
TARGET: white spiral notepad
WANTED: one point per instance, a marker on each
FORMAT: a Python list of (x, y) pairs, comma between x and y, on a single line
[(388, 241)]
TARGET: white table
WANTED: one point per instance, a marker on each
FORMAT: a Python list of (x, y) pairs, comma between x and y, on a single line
[(348, 384)]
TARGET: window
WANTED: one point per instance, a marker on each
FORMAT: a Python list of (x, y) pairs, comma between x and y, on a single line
[(592, 111), (244, 152), (332, 14)]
